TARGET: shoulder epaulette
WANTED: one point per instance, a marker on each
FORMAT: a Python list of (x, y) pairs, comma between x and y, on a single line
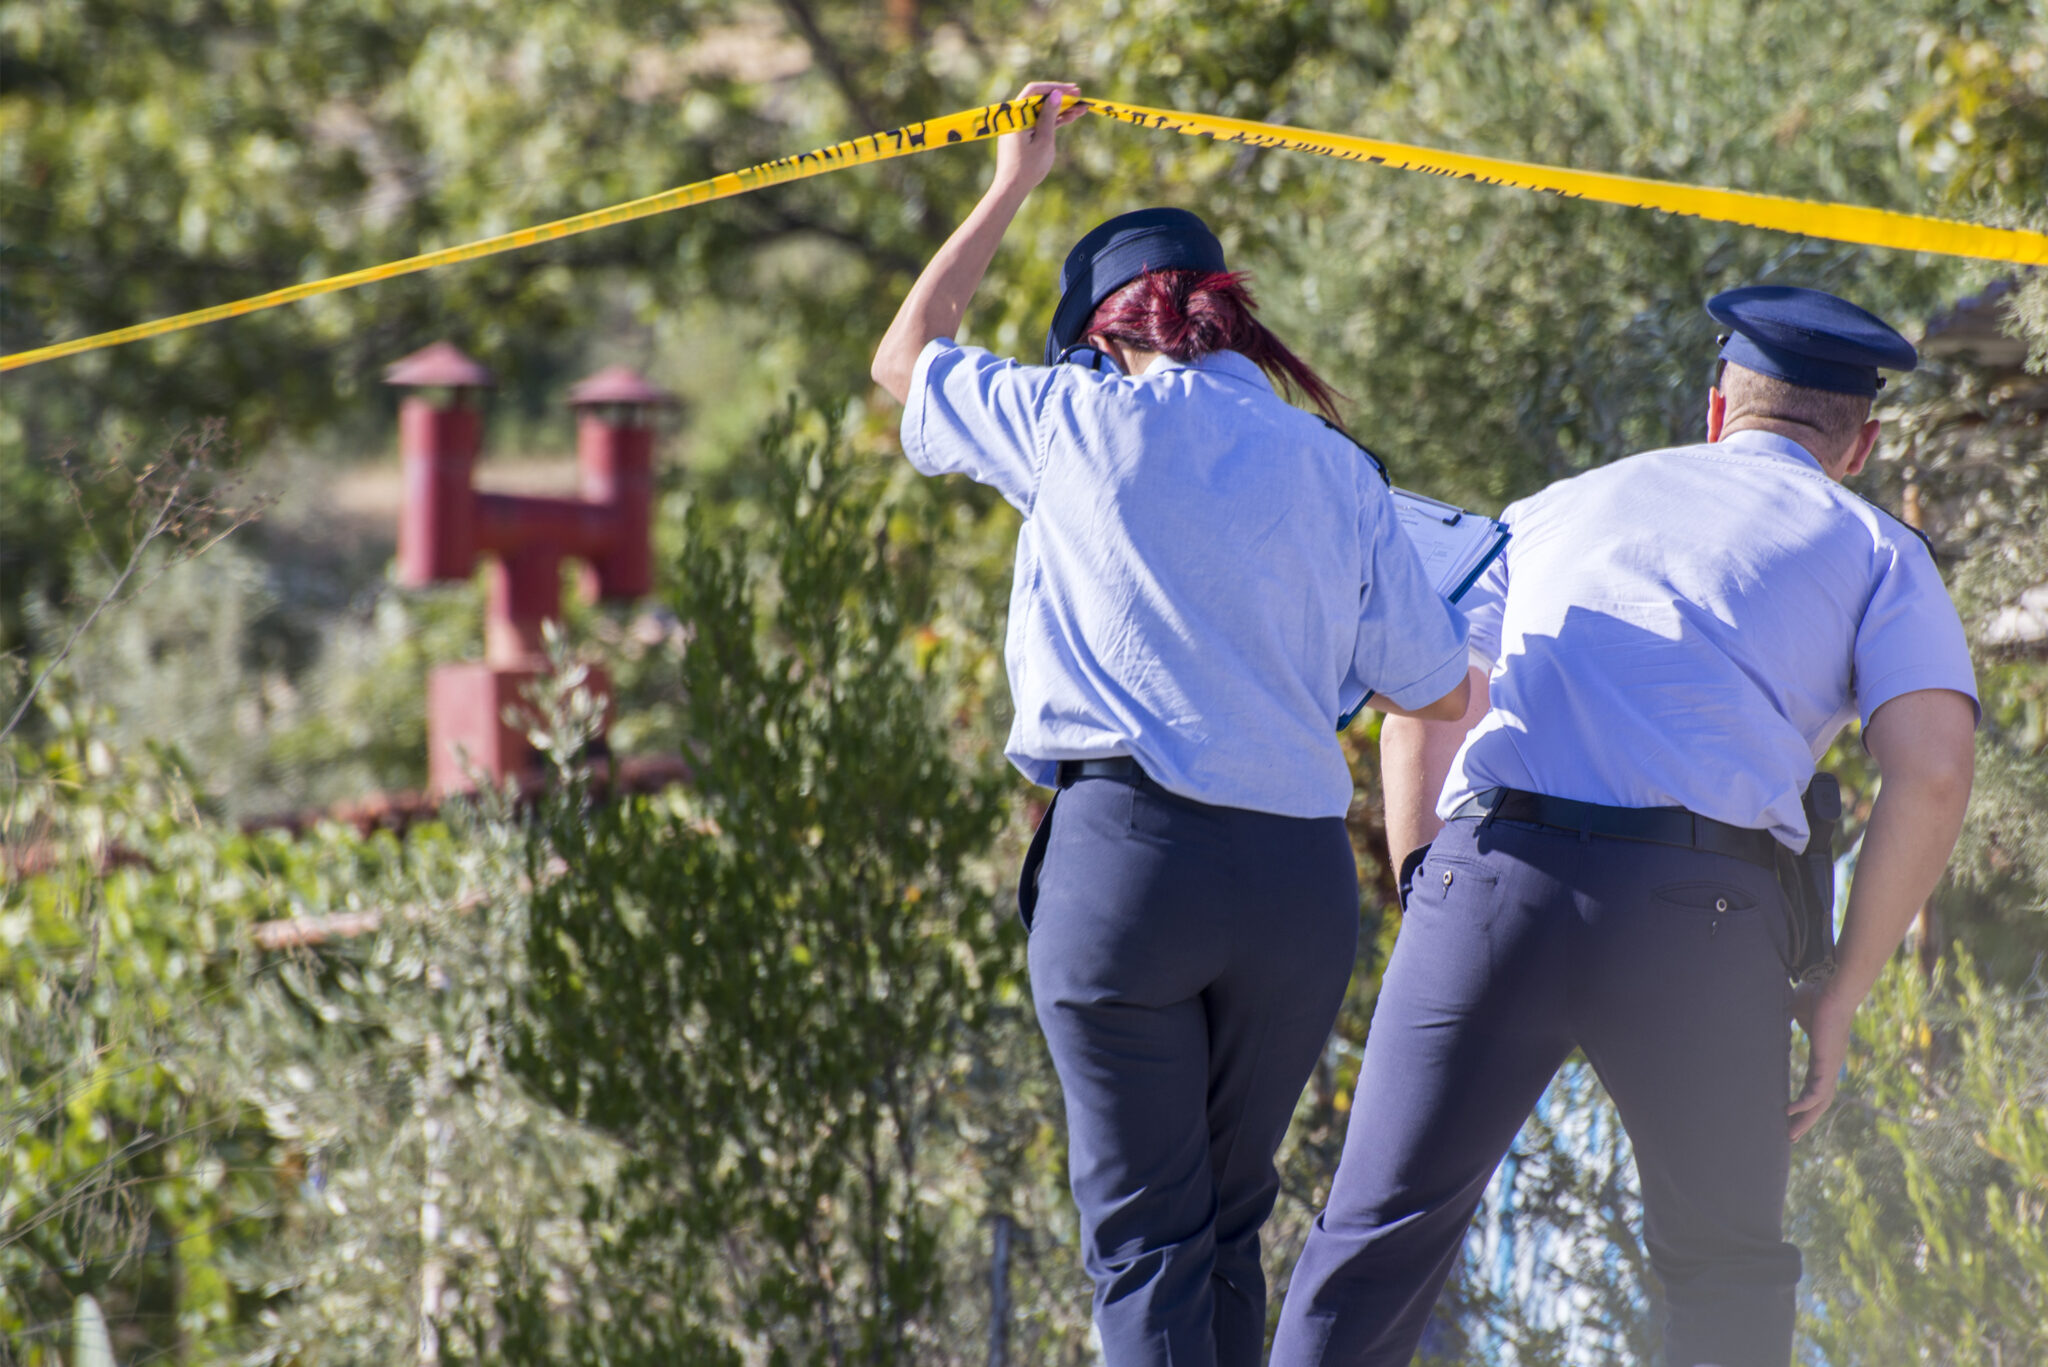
[(1925, 539), (1367, 451)]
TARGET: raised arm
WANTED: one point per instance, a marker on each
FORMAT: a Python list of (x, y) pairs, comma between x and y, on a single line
[(1416, 750), (1924, 745), (935, 303)]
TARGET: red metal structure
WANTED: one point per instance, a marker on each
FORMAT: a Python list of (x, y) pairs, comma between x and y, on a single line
[(446, 524)]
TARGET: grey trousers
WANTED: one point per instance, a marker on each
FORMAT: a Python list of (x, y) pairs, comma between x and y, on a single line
[(1187, 963)]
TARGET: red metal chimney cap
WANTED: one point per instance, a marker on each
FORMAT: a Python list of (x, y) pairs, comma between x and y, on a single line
[(618, 384), (440, 366)]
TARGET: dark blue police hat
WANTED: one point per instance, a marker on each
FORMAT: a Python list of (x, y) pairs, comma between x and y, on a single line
[(1115, 253), (1809, 338)]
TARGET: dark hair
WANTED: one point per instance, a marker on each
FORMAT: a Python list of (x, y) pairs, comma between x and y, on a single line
[(1191, 314)]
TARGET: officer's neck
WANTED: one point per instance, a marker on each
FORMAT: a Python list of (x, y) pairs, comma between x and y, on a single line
[(1808, 437), (1836, 463), (1129, 359)]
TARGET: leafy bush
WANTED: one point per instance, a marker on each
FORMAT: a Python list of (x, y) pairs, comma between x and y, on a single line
[(768, 991)]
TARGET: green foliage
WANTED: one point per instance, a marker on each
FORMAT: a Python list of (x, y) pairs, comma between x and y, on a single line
[(157, 159), (1496, 340), (160, 159), (1925, 1212), (1556, 1272), (1984, 129), (772, 1070), (317, 1154), (288, 706), (425, 1180), (131, 1173), (759, 991), (240, 1149)]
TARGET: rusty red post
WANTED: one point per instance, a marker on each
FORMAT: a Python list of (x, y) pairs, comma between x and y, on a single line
[(438, 440), (615, 460), (446, 523)]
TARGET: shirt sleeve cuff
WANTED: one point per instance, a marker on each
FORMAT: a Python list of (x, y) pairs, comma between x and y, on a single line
[(1434, 684), (1915, 680), (916, 404)]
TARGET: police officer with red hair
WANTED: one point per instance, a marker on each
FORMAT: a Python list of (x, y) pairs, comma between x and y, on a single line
[(1207, 579)]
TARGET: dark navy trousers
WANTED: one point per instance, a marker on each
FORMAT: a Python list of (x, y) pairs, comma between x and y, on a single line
[(1666, 966), (1187, 963)]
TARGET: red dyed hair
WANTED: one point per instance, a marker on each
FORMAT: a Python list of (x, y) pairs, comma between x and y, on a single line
[(1191, 314)]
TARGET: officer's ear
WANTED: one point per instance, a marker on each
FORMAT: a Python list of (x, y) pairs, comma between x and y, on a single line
[(1111, 350), (1717, 413), (1859, 454)]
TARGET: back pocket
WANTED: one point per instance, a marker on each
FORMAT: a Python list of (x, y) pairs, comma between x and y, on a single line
[(1440, 878), (1707, 898)]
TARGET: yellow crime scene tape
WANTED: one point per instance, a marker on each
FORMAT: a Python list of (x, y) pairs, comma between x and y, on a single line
[(1837, 222)]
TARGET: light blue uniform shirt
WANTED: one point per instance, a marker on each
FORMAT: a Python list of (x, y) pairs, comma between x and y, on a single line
[(1693, 628), (1207, 577)]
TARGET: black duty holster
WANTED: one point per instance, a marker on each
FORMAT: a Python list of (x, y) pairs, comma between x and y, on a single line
[(1405, 880), (1808, 879)]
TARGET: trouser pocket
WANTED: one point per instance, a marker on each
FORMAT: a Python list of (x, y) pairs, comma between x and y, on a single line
[(1034, 860)]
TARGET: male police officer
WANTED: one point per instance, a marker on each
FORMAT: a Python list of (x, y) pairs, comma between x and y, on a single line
[(1673, 640)]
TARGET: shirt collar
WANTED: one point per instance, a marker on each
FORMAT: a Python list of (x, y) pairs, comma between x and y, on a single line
[(1762, 443), (1230, 363)]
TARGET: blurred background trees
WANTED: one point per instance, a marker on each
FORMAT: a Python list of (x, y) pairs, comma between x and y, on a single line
[(747, 1068)]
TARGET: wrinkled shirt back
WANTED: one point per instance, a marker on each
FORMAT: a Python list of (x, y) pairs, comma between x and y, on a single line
[(1693, 627), (1207, 577)]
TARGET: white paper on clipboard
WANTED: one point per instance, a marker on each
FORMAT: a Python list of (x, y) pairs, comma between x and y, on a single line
[(1455, 545)]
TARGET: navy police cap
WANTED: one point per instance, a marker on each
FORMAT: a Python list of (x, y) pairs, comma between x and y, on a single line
[(1115, 253), (1808, 338)]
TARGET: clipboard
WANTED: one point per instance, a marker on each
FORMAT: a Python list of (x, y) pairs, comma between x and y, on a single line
[(1455, 544)]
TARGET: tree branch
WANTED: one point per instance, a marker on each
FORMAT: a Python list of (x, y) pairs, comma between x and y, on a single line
[(828, 57), (171, 492)]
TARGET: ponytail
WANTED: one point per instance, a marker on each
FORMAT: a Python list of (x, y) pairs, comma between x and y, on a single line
[(1189, 314)]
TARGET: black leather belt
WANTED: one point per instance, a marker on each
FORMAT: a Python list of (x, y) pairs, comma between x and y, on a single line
[(1652, 825), (1116, 766)]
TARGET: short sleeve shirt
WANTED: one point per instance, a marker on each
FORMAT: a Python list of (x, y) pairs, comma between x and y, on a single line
[(1693, 627), (1207, 577)]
